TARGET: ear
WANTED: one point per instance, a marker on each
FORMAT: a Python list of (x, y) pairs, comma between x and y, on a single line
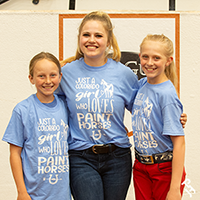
[(109, 43), (139, 54), (169, 61), (60, 77), (31, 79)]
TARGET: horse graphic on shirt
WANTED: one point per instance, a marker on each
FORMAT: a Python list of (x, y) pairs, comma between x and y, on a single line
[(107, 89)]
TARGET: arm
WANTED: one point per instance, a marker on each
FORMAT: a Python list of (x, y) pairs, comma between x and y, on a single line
[(16, 166), (177, 167), (183, 119)]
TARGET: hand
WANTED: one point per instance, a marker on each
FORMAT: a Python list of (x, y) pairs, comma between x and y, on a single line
[(23, 196), (183, 119), (174, 194)]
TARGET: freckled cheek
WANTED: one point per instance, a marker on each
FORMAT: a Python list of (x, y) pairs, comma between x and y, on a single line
[(142, 63), (39, 83), (82, 41)]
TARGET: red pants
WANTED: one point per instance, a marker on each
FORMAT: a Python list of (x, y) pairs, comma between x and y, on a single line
[(152, 182)]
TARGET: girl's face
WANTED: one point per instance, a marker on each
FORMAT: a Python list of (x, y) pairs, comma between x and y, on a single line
[(93, 43), (46, 78), (154, 61)]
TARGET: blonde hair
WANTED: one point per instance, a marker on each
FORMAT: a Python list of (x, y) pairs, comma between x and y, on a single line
[(41, 56), (107, 24), (170, 70)]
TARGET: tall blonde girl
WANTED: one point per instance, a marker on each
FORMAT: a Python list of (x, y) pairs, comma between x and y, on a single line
[(98, 88)]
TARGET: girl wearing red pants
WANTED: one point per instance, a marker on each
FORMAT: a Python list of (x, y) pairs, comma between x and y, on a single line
[(158, 134)]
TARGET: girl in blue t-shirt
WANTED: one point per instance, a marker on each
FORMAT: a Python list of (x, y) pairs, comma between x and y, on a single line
[(37, 134), (98, 88), (158, 135)]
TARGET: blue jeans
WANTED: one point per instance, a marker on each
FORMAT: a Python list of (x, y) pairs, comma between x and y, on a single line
[(100, 176)]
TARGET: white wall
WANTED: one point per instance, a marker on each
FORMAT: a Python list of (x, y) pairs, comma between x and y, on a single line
[(42, 5), (190, 93), (123, 5), (25, 33), (185, 5)]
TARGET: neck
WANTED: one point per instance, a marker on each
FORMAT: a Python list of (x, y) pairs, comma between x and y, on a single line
[(46, 99), (157, 80), (95, 62)]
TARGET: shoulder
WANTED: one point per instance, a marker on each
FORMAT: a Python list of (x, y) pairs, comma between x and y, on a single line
[(61, 99), (123, 70), (168, 94), (25, 104), (72, 65), (164, 93), (142, 82), (22, 111), (120, 66), (168, 90)]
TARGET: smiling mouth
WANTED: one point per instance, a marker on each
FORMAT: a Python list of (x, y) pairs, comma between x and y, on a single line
[(150, 69), (48, 87), (91, 47)]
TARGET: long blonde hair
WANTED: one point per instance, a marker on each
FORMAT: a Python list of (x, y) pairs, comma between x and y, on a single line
[(170, 70), (107, 24)]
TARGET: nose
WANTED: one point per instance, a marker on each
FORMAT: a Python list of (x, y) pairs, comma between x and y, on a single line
[(48, 80), (92, 38), (150, 61)]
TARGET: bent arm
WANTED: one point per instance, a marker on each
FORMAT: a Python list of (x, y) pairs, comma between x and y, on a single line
[(177, 167), (16, 166)]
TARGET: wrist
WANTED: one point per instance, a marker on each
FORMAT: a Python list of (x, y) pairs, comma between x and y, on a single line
[(175, 187), (21, 190)]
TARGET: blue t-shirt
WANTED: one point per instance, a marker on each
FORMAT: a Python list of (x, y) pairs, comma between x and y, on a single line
[(42, 132), (97, 98), (155, 117)]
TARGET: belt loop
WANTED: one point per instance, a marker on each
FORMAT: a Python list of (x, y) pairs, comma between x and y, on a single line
[(110, 148)]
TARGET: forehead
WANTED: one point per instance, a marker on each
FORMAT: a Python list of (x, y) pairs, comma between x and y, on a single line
[(155, 47), (45, 64), (93, 25)]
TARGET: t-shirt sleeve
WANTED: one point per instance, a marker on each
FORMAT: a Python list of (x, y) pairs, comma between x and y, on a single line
[(14, 131), (171, 119), (131, 90)]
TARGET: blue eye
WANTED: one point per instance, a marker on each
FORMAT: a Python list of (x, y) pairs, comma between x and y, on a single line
[(99, 36), (86, 35), (144, 56)]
